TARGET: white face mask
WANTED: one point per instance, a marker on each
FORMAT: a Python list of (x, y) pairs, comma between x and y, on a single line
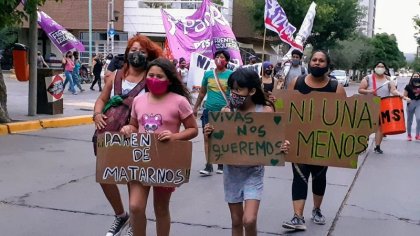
[(379, 70)]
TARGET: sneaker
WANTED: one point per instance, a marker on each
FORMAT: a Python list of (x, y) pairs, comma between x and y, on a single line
[(118, 225), (207, 170), (219, 169), (296, 223), (92, 89), (409, 138), (129, 231), (417, 137), (378, 150), (317, 217)]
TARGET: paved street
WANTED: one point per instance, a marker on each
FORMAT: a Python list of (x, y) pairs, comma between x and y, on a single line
[(48, 187)]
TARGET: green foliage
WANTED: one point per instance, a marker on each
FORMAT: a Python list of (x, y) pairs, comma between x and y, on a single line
[(416, 20), (416, 64), (335, 19), (386, 49), (355, 53), (11, 15), (8, 36)]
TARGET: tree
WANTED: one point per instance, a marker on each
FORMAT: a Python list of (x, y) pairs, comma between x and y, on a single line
[(11, 16), (355, 53), (416, 20), (335, 19), (386, 49), (416, 64)]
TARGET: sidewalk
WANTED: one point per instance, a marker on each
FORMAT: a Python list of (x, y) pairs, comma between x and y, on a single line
[(77, 109)]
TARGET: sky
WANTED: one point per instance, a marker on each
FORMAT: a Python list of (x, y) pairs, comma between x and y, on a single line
[(395, 17)]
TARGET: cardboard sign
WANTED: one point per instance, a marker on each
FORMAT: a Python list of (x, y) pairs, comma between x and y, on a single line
[(141, 157), (327, 129), (252, 138), (55, 87)]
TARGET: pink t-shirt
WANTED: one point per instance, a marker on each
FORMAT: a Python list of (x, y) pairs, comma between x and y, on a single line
[(166, 114), (69, 65)]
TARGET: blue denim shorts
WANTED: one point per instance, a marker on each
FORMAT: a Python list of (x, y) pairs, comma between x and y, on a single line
[(204, 118), (243, 183)]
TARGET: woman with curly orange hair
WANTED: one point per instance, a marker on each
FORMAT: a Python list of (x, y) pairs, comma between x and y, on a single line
[(127, 82)]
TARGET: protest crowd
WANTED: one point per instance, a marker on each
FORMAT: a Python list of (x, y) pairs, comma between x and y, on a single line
[(263, 113)]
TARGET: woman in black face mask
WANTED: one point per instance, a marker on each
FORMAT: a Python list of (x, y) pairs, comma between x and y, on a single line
[(316, 80), (127, 83), (267, 78)]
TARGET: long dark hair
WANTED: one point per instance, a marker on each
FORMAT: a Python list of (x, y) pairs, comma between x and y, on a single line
[(170, 71), (411, 82), (247, 78), (386, 67)]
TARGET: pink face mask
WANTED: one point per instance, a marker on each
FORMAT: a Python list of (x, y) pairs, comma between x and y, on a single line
[(220, 63), (157, 86)]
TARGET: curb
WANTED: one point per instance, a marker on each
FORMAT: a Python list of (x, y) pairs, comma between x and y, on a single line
[(4, 130), (24, 126), (34, 125), (66, 121)]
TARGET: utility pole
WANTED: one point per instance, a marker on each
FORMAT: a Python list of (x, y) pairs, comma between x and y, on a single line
[(90, 32), (110, 28), (33, 48)]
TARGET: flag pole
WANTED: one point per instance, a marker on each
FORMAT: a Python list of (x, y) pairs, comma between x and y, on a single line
[(263, 52)]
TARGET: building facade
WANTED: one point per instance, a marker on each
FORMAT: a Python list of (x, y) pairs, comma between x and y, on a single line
[(367, 25)]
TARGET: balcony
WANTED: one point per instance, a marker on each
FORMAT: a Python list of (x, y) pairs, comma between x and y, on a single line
[(144, 15)]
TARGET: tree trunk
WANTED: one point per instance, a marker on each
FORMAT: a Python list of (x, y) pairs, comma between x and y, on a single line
[(4, 116)]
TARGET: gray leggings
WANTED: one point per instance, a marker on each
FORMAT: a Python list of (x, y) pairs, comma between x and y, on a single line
[(413, 108)]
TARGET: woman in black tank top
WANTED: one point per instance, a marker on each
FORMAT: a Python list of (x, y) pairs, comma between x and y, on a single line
[(267, 78), (316, 80)]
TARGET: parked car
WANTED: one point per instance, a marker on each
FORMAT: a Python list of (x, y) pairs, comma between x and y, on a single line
[(341, 77)]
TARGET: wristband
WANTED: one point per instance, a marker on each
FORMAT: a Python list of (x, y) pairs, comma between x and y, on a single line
[(95, 114)]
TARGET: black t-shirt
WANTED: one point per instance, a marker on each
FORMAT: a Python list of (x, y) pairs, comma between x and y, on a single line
[(303, 88), (116, 63), (97, 68), (410, 90)]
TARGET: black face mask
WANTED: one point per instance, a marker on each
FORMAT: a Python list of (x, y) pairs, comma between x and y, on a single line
[(416, 82), (318, 71), (137, 60), (268, 72)]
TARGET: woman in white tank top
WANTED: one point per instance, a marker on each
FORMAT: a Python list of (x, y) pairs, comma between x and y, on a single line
[(380, 85)]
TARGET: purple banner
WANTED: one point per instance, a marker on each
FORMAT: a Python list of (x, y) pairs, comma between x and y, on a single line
[(61, 38), (205, 32)]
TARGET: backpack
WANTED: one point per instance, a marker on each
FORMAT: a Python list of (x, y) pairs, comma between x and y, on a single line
[(118, 108)]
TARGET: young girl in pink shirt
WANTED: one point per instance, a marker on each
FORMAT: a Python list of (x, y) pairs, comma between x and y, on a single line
[(162, 110)]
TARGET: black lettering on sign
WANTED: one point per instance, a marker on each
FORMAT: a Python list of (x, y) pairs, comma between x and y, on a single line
[(202, 62)]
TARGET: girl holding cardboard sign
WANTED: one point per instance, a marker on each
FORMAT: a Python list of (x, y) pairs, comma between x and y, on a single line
[(161, 111), (127, 82), (243, 185)]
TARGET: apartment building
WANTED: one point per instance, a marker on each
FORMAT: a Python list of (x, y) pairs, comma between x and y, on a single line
[(367, 25)]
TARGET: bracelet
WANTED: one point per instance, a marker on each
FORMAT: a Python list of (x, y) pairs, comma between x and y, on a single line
[(95, 114)]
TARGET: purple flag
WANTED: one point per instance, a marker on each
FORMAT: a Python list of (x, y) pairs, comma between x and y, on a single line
[(61, 38), (276, 20), (205, 32)]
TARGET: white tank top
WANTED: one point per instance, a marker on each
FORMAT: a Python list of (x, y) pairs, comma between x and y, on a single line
[(127, 86)]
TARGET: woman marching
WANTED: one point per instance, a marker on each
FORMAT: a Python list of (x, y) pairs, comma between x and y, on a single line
[(316, 80), (168, 101), (412, 94), (379, 84), (129, 82), (243, 185)]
